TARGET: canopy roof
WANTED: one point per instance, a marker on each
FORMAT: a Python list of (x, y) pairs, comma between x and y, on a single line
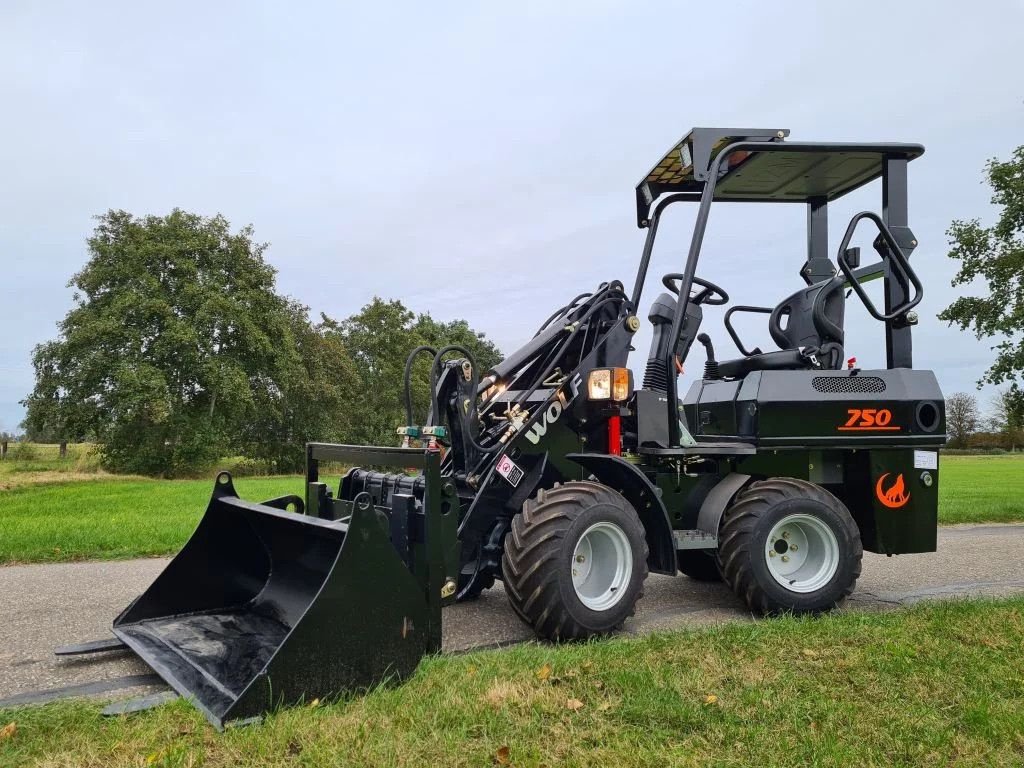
[(766, 168)]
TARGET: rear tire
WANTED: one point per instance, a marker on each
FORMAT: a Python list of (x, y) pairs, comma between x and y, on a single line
[(789, 546), (699, 564), (575, 561)]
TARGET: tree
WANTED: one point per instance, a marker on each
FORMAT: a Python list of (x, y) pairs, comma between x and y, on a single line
[(176, 339), (378, 337), (179, 351), (43, 432), (1006, 420), (961, 418), (316, 400), (995, 257)]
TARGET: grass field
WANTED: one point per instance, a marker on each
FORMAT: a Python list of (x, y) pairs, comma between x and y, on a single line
[(843, 690), (36, 463), (981, 489), (112, 518), (41, 463), (56, 518)]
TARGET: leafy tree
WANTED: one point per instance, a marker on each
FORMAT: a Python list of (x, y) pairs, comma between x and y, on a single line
[(176, 339), (178, 351), (316, 400), (1006, 420), (378, 338), (961, 418), (439, 334), (45, 431), (994, 256)]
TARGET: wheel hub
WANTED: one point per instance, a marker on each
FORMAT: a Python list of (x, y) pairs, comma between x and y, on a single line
[(602, 563), (802, 553)]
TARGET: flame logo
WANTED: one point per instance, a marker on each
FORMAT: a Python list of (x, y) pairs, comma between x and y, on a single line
[(896, 496)]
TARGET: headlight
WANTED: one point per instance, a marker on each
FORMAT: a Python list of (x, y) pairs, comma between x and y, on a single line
[(599, 385), (608, 384)]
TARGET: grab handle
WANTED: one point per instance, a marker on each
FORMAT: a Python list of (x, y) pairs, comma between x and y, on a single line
[(894, 255), (732, 331)]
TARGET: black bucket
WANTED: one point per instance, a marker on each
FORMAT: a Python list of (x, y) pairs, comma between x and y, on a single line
[(265, 607)]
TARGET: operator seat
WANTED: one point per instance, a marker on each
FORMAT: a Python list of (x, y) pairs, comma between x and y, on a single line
[(807, 326)]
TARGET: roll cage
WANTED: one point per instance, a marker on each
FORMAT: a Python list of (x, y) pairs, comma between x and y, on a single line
[(758, 165)]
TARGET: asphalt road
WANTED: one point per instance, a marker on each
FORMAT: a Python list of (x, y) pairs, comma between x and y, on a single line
[(45, 606)]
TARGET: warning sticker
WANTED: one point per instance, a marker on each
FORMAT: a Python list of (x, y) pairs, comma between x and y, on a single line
[(510, 470), (926, 460)]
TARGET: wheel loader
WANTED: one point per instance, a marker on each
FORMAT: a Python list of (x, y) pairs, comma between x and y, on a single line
[(558, 475)]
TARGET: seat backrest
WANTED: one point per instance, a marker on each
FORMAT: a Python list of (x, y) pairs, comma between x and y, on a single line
[(813, 317)]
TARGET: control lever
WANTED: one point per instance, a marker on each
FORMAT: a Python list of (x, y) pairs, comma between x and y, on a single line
[(711, 366)]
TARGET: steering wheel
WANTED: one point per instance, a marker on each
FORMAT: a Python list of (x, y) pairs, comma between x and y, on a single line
[(712, 295)]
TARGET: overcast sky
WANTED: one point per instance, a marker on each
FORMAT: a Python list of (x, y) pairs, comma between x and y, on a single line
[(477, 160)]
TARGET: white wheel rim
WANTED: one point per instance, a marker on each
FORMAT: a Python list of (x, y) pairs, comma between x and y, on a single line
[(802, 553), (602, 563)]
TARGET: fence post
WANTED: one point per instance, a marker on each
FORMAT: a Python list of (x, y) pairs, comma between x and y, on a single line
[(3, 449), (63, 449)]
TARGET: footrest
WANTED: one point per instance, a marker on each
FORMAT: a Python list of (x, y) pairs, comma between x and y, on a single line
[(695, 539)]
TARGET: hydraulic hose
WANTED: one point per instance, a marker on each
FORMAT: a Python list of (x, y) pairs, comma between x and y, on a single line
[(407, 380), (547, 340), (605, 295), (573, 304), (562, 312), (571, 315), (564, 344), (435, 370)]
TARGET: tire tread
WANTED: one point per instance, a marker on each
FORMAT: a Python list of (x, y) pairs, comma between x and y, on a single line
[(531, 552), (739, 527)]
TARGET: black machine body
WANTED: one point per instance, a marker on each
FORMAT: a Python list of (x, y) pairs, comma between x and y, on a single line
[(796, 411)]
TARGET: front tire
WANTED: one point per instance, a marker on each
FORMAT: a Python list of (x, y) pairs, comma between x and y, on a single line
[(789, 546), (575, 561)]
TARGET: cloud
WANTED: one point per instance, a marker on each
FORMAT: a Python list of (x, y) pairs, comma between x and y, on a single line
[(479, 161)]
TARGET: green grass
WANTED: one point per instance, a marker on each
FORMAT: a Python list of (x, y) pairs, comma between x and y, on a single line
[(53, 518), (20, 453), (39, 463), (112, 518), (27, 463), (940, 684), (981, 489)]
